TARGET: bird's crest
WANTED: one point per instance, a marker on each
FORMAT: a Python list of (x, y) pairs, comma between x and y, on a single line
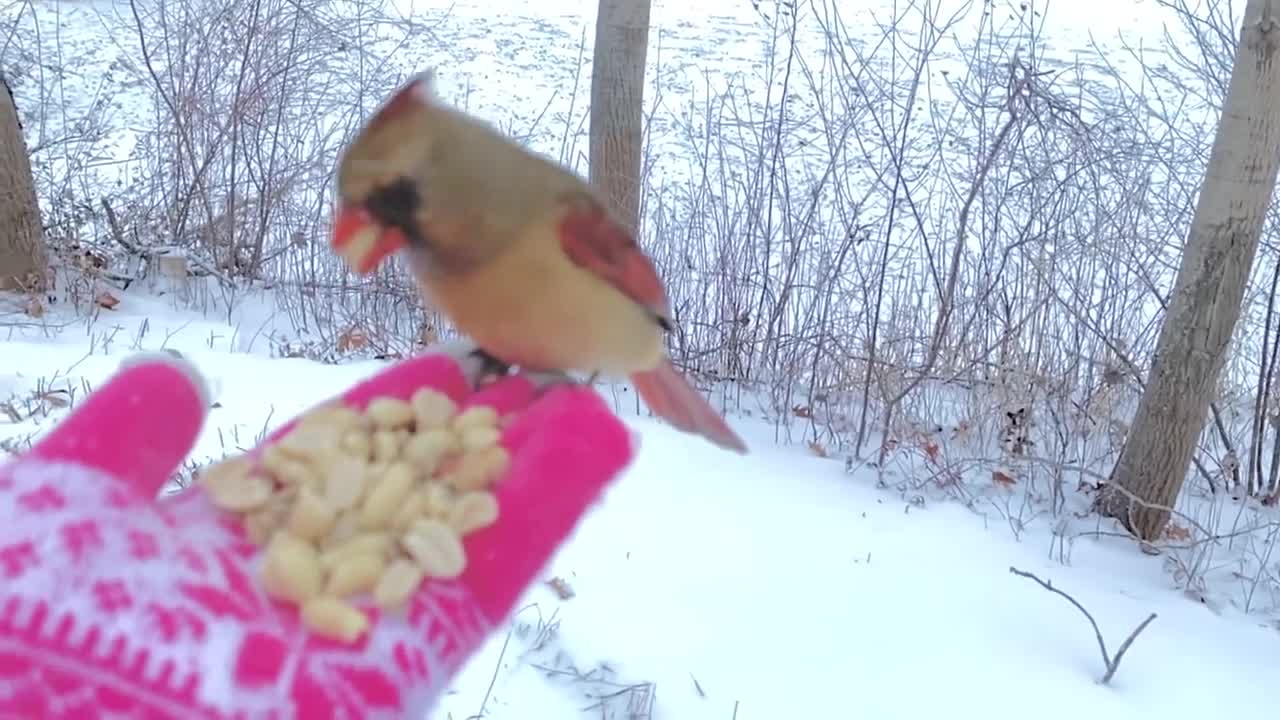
[(416, 94)]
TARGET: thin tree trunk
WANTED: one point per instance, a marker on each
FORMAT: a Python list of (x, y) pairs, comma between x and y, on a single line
[(23, 263), (617, 105), (1205, 302)]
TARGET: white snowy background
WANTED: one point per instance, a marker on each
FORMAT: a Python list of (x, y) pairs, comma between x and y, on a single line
[(807, 171)]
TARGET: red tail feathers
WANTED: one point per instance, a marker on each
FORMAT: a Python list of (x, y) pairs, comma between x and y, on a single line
[(673, 399)]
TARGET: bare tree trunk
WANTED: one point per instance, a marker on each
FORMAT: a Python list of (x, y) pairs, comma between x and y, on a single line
[(617, 104), (23, 264), (1205, 302)]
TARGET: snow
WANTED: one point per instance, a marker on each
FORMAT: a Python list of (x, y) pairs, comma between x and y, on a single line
[(772, 585), (527, 68), (778, 585)]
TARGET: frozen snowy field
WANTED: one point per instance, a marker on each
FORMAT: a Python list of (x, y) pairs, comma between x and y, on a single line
[(771, 586), (777, 586)]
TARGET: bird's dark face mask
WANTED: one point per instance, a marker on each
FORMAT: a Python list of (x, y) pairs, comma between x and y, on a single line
[(366, 233), (363, 241)]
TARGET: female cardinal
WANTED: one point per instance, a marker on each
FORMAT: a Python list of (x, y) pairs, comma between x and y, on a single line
[(519, 253)]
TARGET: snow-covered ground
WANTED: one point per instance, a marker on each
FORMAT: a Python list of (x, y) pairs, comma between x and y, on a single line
[(780, 585), (525, 65), (775, 585)]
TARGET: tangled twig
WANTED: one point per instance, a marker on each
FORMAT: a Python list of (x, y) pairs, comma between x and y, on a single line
[(1112, 663)]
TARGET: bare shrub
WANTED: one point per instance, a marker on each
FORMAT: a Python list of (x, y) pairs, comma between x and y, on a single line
[(891, 243)]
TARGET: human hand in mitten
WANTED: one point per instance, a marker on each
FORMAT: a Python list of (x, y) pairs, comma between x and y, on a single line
[(116, 604)]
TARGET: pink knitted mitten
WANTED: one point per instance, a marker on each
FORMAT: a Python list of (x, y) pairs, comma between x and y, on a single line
[(114, 604)]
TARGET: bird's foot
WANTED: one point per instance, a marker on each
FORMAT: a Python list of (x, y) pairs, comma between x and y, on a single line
[(544, 380), (482, 368), (478, 366), (489, 367)]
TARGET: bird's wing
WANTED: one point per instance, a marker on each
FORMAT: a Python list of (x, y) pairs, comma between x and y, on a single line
[(597, 243)]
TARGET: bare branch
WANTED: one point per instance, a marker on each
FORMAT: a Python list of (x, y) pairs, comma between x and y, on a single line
[(1111, 664)]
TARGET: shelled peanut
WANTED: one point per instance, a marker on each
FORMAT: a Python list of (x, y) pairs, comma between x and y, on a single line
[(351, 503)]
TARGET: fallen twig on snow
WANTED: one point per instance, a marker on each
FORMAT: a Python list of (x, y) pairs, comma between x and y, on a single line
[(1112, 663)]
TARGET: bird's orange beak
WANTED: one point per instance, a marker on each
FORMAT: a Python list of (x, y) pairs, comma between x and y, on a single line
[(362, 241)]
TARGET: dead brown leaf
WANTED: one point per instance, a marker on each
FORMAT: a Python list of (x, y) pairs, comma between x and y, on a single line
[(1003, 479), (561, 588), (106, 300), (351, 339)]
